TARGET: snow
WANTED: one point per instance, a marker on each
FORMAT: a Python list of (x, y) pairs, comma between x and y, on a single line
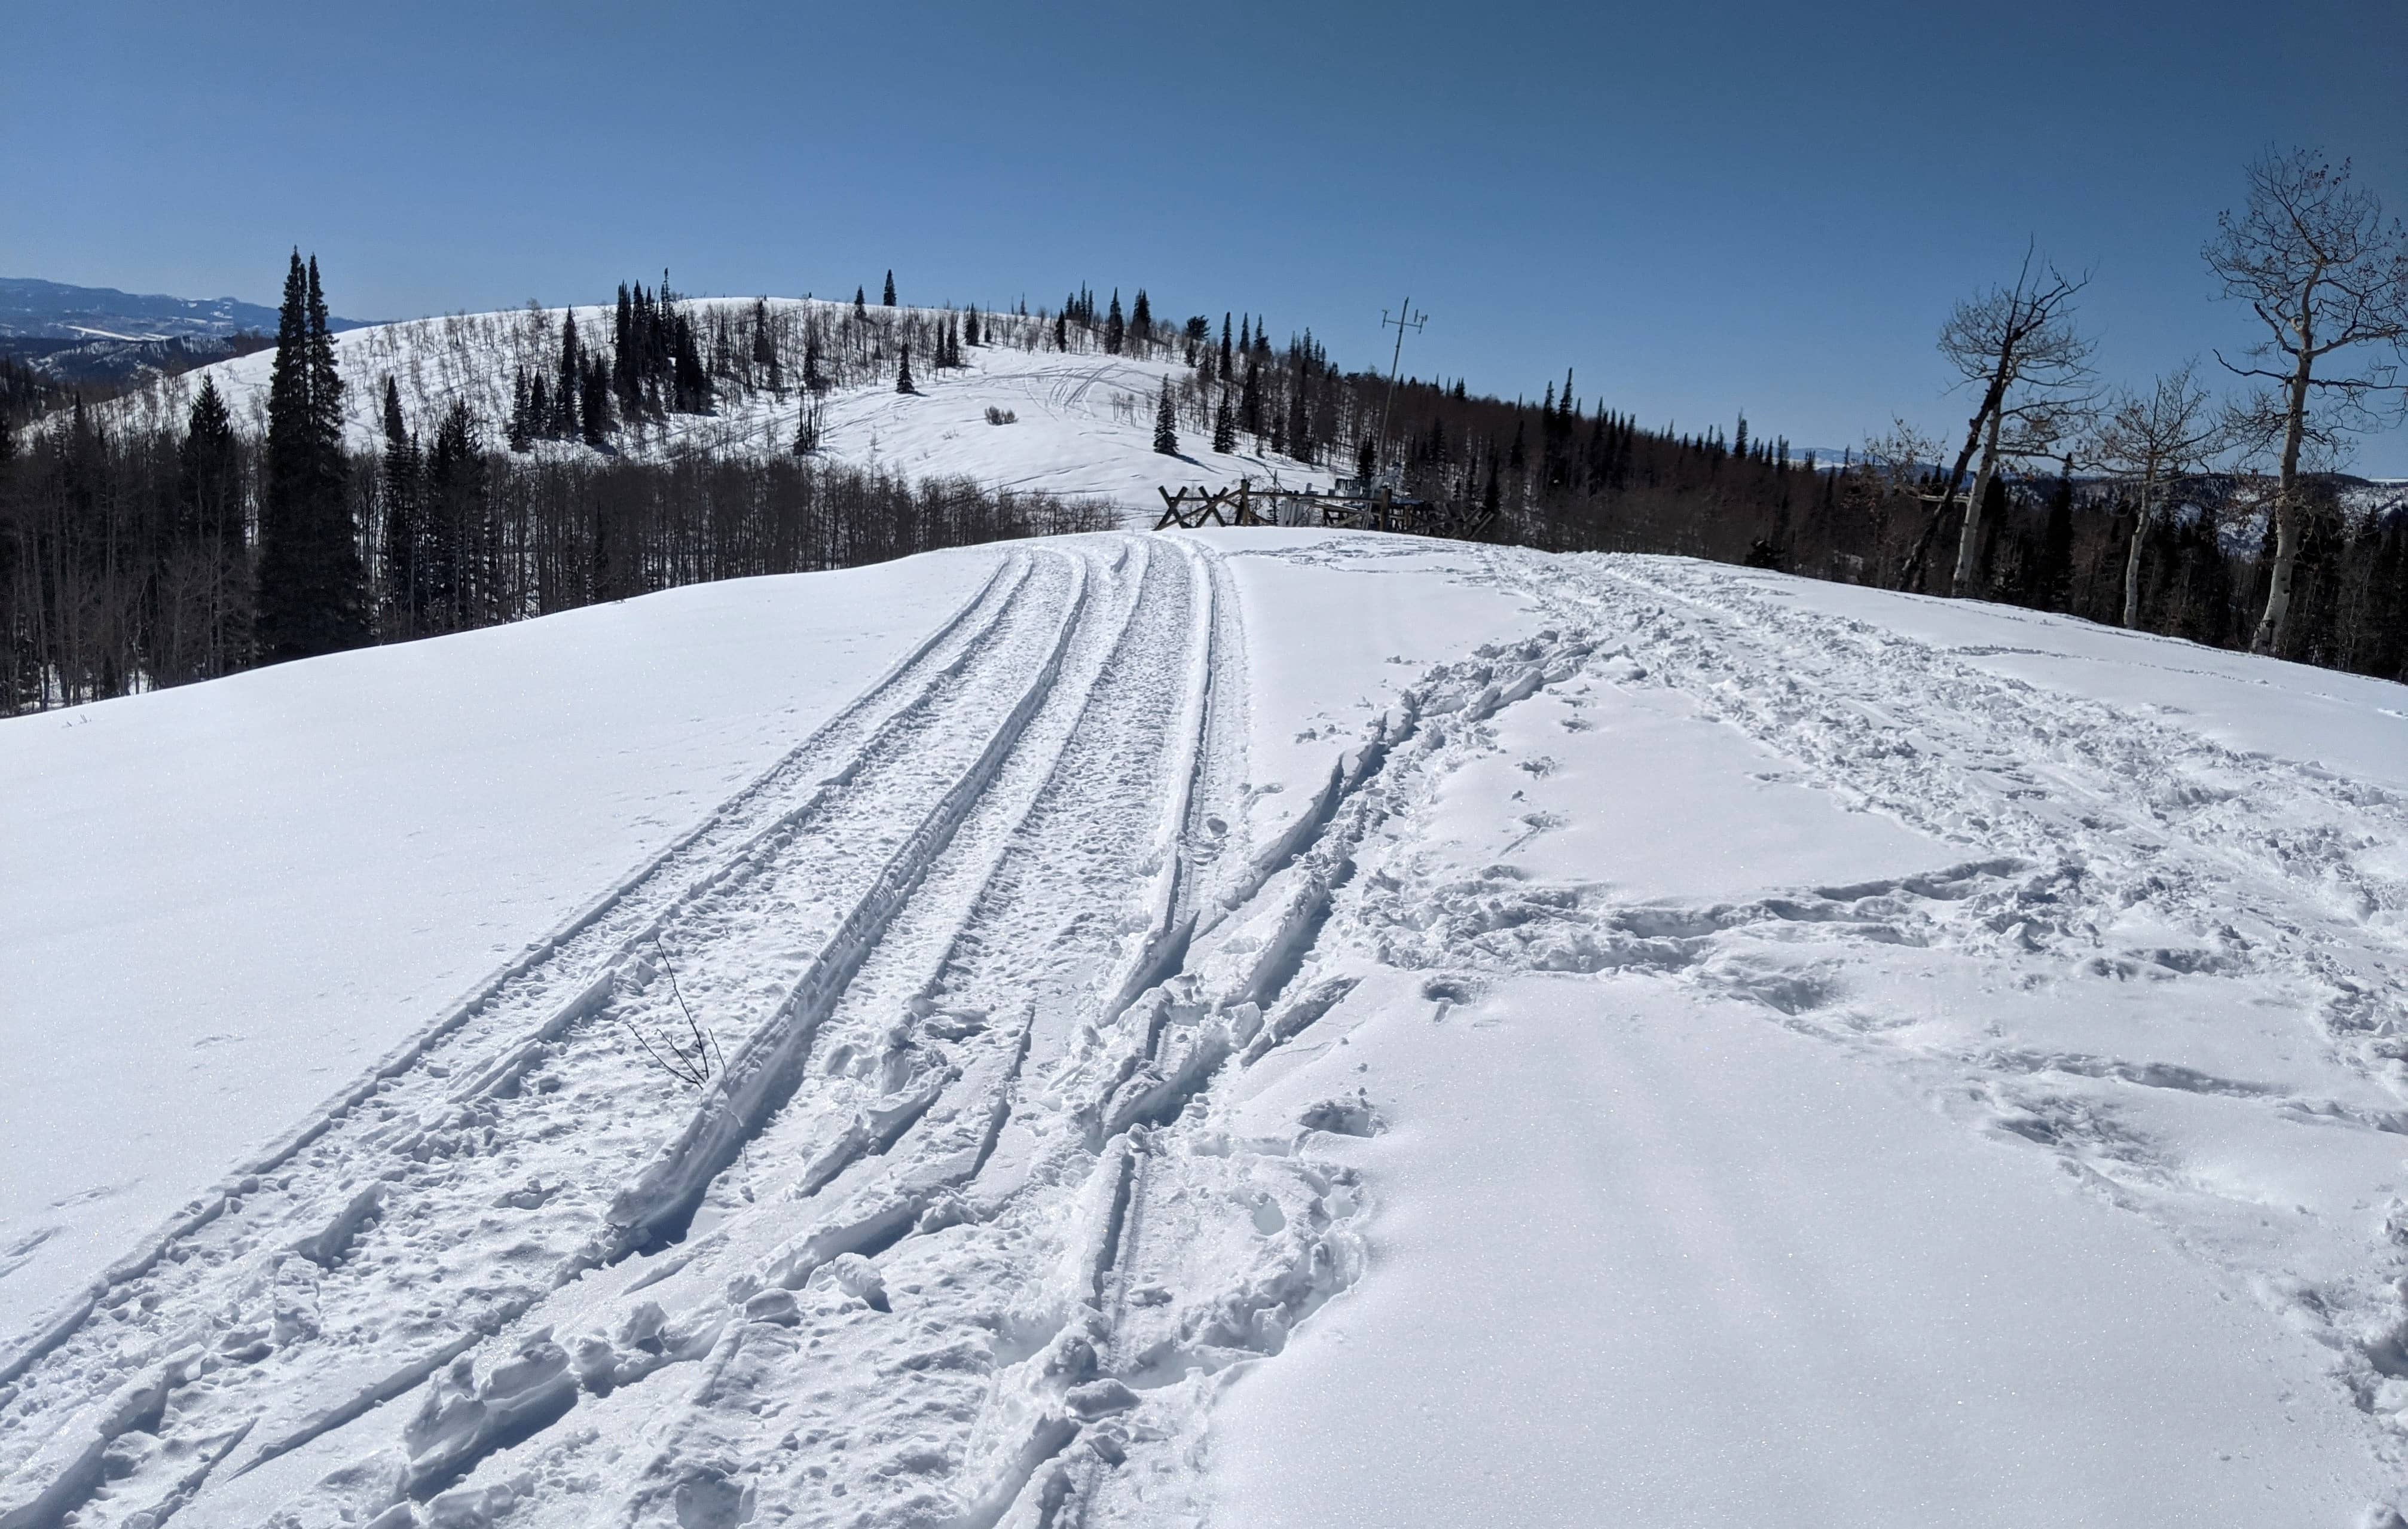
[(1083, 426), (1274, 1027), (1716, 1275), (255, 888)]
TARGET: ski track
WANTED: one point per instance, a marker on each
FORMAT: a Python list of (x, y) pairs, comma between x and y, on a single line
[(330, 1270), (963, 1237), (890, 1232)]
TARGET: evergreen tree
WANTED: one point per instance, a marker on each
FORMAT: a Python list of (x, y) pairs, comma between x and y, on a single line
[(1165, 422), (806, 428), (567, 383), (1250, 402), (1061, 332), (209, 525), (313, 588), (764, 349), (889, 299), (1141, 321), (2053, 570), (1362, 463), (1225, 344), (624, 379), (1115, 327), (209, 472), (522, 435), (1224, 422), (401, 486), (814, 381), (970, 328), (595, 409), (903, 378), (456, 572), (690, 387), (860, 307)]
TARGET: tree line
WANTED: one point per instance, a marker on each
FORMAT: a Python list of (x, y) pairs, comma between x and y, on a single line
[(138, 551), (2162, 508)]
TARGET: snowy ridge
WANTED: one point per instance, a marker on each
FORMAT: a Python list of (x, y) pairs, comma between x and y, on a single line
[(1083, 426)]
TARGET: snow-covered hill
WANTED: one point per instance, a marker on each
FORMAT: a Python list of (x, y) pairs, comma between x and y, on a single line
[(1267, 1028), (1082, 420)]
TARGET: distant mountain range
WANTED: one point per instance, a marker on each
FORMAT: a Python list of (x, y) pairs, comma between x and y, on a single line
[(100, 336), (53, 310)]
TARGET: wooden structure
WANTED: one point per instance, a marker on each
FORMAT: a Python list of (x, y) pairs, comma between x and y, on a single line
[(1380, 509)]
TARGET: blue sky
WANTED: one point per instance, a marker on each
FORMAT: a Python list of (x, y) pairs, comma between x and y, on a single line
[(1702, 209)]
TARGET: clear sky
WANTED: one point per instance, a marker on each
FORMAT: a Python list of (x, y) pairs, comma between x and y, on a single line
[(1702, 208)]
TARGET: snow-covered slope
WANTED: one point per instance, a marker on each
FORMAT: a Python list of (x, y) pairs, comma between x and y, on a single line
[(1084, 419), (1263, 1027)]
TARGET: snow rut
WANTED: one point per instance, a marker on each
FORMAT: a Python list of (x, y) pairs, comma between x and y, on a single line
[(478, 1169)]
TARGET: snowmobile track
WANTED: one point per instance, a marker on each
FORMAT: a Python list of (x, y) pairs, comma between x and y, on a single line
[(223, 1259)]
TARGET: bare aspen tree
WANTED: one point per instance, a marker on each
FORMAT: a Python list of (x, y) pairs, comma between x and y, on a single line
[(2314, 260), (2157, 436), (2018, 345)]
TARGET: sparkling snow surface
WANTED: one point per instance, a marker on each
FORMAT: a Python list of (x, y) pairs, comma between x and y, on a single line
[(1263, 1028)]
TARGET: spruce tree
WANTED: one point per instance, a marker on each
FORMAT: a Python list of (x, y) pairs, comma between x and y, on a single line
[(970, 328), (567, 381), (1224, 422), (1115, 327), (401, 485), (209, 487), (1363, 463), (311, 586), (624, 382), (209, 521), (522, 434), (594, 410), (763, 349), (889, 299), (903, 378), (1141, 321), (1166, 424), (456, 573), (1225, 343), (860, 307)]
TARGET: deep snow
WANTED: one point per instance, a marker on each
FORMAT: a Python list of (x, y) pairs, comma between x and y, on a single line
[(1265, 1027)]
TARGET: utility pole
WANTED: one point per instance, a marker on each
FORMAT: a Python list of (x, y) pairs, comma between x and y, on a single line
[(1406, 319)]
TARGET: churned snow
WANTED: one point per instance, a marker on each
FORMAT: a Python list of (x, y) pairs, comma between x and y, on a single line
[(1268, 1027)]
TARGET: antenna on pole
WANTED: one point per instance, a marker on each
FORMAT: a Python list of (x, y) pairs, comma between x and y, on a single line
[(1406, 319)]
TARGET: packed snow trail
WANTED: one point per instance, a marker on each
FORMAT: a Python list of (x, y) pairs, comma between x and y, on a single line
[(1038, 1126), (306, 1270)]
